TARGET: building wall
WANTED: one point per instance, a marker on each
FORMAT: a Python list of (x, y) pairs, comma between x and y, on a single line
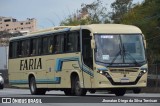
[(13, 25), (3, 57)]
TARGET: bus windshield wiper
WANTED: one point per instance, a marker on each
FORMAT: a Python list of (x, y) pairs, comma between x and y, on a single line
[(119, 53), (125, 53), (132, 58)]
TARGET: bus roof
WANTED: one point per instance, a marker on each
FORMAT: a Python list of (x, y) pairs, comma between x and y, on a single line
[(112, 28), (94, 28)]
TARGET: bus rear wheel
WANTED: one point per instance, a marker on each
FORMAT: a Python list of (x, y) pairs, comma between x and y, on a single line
[(77, 88), (119, 92), (33, 87)]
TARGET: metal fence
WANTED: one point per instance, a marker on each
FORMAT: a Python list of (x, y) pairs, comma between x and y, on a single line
[(154, 75)]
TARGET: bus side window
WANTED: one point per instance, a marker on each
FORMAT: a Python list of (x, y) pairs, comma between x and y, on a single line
[(50, 44), (59, 43), (39, 46), (33, 47), (25, 48), (47, 45), (73, 42), (44, 45), (13, 50), (19, 49)]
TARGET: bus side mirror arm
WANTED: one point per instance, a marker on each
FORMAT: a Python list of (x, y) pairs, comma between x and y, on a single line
[(145, 44)]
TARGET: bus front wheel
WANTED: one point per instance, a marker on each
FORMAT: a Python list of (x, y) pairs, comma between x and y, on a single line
[(119, 92), (33, 88), (137, 90), (68, 92), (77, 88)]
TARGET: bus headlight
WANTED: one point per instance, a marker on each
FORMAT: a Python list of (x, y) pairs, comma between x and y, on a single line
[(144, 69), (101, 70), (142, 72)]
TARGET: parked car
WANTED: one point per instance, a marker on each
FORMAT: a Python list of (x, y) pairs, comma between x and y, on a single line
[(1, 81)]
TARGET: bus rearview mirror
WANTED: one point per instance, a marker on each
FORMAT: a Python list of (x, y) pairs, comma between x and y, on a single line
[(93, 44)]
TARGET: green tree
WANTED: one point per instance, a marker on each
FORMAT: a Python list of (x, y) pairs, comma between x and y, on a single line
[(5, 35), (147, 17), (88, 14), (119, 8)]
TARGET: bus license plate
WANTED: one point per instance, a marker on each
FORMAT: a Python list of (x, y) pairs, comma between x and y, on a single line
[(124, 79)]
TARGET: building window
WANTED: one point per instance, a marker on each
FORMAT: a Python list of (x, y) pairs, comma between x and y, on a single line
[(27, 22), (7, 24), (21, 23), (21, 28), (14, 20), (7, 20)]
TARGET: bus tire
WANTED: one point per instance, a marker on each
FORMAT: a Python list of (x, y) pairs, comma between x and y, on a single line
[(33, 87), (119, 92), (92, 91), (77, 88), (68, 92), (1, 86), (137, 90)]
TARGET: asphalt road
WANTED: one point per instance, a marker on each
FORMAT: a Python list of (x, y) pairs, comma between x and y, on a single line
[(57, 98)]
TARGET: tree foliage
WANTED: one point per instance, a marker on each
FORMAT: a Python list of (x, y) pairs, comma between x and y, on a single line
[(88, 14), (119, 8), (5, 35), (147, 17)]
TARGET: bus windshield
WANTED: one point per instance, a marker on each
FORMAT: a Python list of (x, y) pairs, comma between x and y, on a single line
[(120, 49)]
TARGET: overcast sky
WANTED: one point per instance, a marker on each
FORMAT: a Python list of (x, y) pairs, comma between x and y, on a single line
[(47, 12)]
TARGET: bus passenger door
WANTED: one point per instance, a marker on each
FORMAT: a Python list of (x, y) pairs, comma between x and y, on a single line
[(87, 58)]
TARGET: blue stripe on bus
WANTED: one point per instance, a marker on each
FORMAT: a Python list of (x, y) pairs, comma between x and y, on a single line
[(58, 65), (18, 81), (56, 80), (59, 62), (103, 69)]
